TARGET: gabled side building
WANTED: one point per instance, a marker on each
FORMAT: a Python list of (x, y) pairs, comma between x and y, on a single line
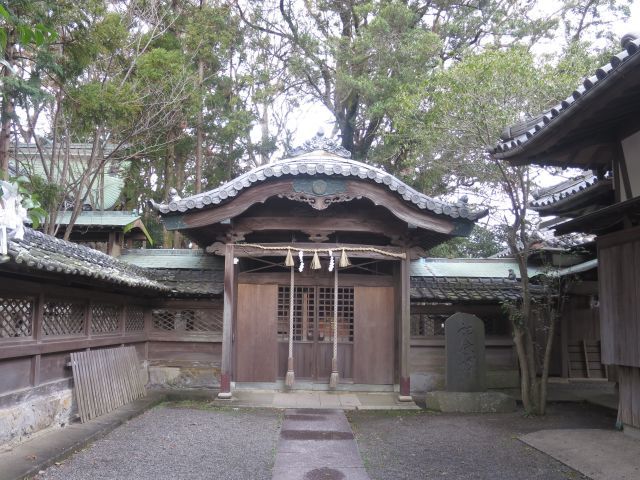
[(597, 128)]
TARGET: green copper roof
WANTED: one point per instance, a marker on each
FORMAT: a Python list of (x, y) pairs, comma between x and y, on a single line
[(110, 181), (172, 259), (99, 218), (467, 267)]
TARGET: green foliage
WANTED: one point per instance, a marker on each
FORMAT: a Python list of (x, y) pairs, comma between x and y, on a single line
[(481, 243), (96, 103)]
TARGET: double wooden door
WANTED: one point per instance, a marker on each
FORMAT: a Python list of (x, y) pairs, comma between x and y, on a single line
[(365, 333)]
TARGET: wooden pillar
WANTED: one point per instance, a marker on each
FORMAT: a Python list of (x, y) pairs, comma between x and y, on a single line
[(227, 323), (405, 330)]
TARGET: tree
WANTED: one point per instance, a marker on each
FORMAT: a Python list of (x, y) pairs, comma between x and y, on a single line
[(361, 58), (482, 242), (471, 102), (22, 27)]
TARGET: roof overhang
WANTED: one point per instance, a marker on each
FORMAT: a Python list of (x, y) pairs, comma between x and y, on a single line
[(584, 130), (319, 179)]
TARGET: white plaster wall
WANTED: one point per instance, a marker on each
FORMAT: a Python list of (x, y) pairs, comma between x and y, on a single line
[(21, 421), (631, 149)]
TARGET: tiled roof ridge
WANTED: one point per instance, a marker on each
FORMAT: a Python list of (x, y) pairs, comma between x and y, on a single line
[(325, 164), (513, 139), (571, 189), (77, 260)]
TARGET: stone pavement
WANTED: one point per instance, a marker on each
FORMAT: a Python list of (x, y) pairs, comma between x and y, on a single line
[(598, 454), (317, 399), (317, 444)]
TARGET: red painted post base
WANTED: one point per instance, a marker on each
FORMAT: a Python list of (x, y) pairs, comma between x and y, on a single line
[(405, 390), (225, 387)]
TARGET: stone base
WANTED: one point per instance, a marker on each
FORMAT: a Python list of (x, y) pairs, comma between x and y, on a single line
[(183, 377), (470, 402), (19, 422)]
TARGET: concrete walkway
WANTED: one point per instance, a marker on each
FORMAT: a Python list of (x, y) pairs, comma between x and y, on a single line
[(598, 454), (317, 444), (317, 399)]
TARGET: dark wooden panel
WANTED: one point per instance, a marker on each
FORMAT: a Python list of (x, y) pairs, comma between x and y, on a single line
[(425, 358), (619, 274), (256, 335), (373, 335), (15, 374), (53, 367), (629, 381), (184, 351)]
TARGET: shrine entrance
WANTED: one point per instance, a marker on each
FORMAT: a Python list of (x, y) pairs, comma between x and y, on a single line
[(365, 322)]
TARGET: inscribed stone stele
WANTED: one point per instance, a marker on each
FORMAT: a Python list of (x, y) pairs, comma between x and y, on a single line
[(465, 353)]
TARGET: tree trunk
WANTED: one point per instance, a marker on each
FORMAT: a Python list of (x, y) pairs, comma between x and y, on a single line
[(199, 127), (6, 109)]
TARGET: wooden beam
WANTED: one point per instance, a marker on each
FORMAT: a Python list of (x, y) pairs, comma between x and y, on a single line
[(405, 330), (227, 323), (328, 224)]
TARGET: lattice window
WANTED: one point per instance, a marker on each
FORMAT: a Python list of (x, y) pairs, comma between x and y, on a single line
[(428, 324), (345, 314), (16, 317), (63, 318), (105, 318), (311, 303), (496, 325), (187, 320), (135, 319), (303, 313)]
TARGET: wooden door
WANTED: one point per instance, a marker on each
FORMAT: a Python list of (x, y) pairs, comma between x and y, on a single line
[(256, 343), (373, 358)]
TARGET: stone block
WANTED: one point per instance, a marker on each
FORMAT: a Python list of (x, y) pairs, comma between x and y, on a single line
[(470, 402), (19, 422)]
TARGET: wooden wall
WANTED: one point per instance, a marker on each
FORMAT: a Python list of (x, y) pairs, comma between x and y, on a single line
[(36, 339), (427, 355), (33, 357), (629, 381), (619, 282)]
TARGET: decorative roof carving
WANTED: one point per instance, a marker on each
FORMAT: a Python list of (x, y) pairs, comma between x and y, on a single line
[(516, 137), (320, 142), (319, 167)]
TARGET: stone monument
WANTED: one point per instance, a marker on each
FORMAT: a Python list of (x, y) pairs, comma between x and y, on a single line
[(466, 369)]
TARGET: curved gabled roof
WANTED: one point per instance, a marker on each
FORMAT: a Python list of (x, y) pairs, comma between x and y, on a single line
[(523, 136), (318, 163)]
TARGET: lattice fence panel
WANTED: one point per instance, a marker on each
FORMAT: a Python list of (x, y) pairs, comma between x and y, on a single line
[(63, 317), (16, 317), (202, 320), (345, 314), (105, 318), (135, 319)]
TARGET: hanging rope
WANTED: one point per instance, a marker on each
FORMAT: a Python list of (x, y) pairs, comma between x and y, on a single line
[(290, 377), (334, 378), (322, 250)]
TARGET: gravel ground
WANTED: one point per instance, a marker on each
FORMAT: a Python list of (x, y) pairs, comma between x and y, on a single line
[(428, 445), (180, 443)]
